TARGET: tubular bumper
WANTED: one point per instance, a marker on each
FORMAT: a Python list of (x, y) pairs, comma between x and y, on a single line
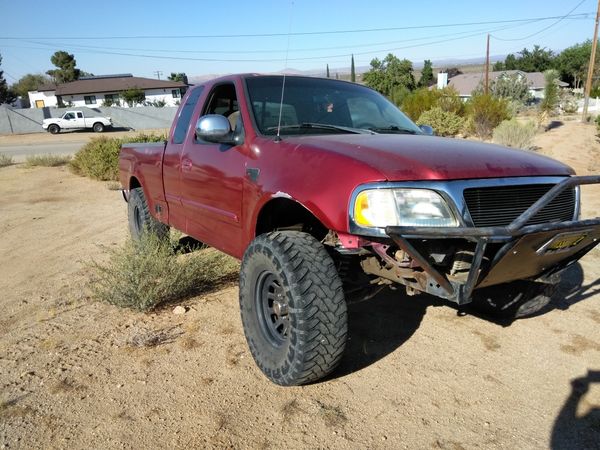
[(528, 251)]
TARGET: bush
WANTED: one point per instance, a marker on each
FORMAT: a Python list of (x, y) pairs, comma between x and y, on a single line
[(5, 160), (421, 100), (444, 123), (143, 275), (99, 158), (513, 133), (47, 160), (486, 113), (550, 100), (568, 102)]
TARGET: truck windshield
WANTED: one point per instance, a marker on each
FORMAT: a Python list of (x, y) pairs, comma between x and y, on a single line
[(338, 106)]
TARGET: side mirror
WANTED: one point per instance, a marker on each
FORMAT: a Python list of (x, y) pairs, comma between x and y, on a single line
[(214, 128), (427, 130)]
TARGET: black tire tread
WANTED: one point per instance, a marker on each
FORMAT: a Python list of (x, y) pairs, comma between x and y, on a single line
[(322, 315), (151, 225)]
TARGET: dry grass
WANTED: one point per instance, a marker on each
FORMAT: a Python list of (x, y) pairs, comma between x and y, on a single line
[(143, 275), (5, 160), (189, 343), (47, 160), (333, 416), (153, 338), (113, 185)]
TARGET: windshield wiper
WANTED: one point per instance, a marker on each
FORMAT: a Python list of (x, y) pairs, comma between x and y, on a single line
[(322, 126), (393, 129)]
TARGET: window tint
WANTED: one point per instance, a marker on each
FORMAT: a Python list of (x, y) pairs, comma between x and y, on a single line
[(80, 115), (186, 114)]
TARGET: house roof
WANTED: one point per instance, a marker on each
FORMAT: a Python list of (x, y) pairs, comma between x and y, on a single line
[(113, 84), (467, 82), (47, 87)]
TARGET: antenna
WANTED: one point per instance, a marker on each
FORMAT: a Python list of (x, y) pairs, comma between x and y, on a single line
[(278, 137)]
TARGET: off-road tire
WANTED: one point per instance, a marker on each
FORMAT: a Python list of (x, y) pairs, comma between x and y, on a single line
[(514, 300), (98, 127), (292, 272), (140, 219), (53, 129)]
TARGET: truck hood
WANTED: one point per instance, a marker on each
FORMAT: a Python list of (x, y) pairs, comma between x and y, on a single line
[(416, 157)]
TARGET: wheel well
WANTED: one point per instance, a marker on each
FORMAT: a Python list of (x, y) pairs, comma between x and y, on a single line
[(285, 214), (134, 183)]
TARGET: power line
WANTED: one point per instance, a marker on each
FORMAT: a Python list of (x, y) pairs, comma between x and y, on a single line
[(560, 19), (299, 33)]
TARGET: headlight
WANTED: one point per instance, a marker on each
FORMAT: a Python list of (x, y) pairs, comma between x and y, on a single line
[(404, 207)]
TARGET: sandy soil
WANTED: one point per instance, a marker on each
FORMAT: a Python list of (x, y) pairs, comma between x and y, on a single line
[(416, 373)]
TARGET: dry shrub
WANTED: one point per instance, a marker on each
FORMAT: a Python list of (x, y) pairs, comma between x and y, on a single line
[(421, 100), (143, 275), (513, 133), (99, 158), (47, 160), (5, 160), (444, 123)]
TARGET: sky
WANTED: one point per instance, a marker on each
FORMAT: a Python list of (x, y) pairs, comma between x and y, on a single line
[(219, 37)]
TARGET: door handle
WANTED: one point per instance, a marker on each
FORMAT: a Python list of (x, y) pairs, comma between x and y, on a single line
[(186, 164)]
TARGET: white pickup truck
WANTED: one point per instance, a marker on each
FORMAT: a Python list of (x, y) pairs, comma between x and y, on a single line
[(76, 120)]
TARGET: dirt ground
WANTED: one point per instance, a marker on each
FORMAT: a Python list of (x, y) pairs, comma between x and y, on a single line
[(416, 374)]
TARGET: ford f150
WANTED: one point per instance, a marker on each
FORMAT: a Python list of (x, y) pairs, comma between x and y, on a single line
[(327, 192)]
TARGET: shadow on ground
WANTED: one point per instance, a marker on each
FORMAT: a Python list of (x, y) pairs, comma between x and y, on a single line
[(377, 327), (578, 422)]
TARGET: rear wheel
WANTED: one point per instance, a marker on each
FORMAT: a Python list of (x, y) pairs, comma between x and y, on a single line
[(98, 127), (293, 308), (54, 129), (140, 219), (513, 300)]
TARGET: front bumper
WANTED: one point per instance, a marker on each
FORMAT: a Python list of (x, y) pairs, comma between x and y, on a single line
[(527, 252)]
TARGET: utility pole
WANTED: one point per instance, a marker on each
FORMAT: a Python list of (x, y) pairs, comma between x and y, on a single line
[(588, 83), (158, 73), (487, 66)]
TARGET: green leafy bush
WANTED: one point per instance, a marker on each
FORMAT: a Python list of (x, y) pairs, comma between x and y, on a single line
[(5, 160), (47, 160), (486, 113), (513, 133), (444, 123), (421, 100), (145, 274), (99, 158), (551, 96)]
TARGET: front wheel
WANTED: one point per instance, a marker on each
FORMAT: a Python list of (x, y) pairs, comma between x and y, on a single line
[(293, 308), (98, 127), (54, 129), (140, 219), (514, 300)]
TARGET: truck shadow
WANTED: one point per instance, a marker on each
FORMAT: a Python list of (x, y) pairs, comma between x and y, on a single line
[(377, 327), (578, 422)]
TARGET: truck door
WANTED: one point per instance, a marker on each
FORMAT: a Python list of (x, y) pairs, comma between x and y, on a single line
[(79, 120), (68, 120), (212, 178)]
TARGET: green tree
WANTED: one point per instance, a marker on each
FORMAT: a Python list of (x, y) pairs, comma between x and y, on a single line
[(66, 70), (391, 77), (426, 79), (29, 82), (550, 100), (133, 96), (535, 60), (6, 94), (352, 70), (573, 62), (511, 86), (327, 70), (180, 76)]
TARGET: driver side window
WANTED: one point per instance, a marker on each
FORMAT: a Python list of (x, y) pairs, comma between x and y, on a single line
[(223, 101), (69, 116)]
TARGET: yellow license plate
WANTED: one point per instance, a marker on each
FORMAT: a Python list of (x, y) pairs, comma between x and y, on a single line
[(563, 242)]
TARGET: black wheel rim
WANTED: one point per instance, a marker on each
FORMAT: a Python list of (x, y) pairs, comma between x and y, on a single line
[(272, 309)]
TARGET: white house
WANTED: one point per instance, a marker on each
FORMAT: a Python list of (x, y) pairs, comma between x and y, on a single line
[(106, 90), (466, 83)]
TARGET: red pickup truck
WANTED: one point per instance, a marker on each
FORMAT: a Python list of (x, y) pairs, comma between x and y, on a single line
[(328, 193)]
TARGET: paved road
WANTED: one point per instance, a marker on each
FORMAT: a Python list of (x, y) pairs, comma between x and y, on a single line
[(21, 152)]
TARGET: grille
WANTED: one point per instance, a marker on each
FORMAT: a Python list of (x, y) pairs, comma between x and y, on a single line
[(499, 206)]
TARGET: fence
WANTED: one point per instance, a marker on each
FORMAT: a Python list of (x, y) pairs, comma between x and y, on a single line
[(20, 121)]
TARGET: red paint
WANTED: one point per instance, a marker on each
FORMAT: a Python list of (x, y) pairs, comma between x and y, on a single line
[(204, 189)]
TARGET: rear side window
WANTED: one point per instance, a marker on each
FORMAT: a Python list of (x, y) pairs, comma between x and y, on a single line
[(186, 114)]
